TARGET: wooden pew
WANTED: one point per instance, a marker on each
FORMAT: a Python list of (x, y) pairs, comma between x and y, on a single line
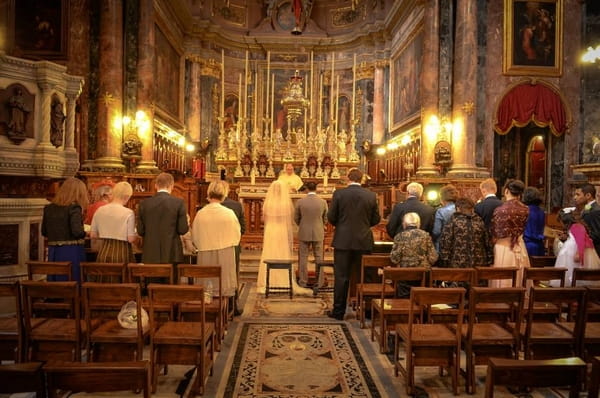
[(22, 377)]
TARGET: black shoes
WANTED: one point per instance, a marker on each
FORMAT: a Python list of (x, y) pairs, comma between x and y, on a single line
[(335, 316)]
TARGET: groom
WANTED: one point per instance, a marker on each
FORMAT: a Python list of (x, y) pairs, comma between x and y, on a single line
[(353, 212)]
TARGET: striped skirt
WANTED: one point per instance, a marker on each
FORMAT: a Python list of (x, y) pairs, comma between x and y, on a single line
[(115, 251)]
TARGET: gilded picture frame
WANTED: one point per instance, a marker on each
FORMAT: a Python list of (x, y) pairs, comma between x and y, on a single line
[(40, 28), (405, 72), (533, 37)]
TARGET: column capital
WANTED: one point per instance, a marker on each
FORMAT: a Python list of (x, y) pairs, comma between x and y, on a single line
[(382, 63), (365, 70)]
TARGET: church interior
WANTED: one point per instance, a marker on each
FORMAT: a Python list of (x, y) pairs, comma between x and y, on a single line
[(431, 91)]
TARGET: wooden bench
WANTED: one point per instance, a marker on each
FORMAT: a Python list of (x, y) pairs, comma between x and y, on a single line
[(22, 377), (535, 373)]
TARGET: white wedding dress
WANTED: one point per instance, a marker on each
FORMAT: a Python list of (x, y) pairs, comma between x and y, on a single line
[(277, 245)]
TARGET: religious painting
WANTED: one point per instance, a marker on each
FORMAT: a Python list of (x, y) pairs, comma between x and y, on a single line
[(41, 28), (167, 79), (343, 113), (231, 104), (533, 37), (405, 74), (280, 91)]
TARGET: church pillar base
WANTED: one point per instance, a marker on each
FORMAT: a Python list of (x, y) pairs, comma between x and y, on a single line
[(109, 164), (468, 171), (428, 171), (147, 167)]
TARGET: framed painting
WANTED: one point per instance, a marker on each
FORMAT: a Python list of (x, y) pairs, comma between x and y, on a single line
[(167, 83), (405, 98), (41, 28), (533, 37)]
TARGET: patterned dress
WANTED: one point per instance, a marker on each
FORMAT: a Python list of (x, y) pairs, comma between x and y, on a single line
[(465, 242), (508, 225), (413, 248)]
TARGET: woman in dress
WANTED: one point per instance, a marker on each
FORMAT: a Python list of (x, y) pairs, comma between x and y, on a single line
[(534, 229), (114, 224), (578, 250), (216, 233), (278, 215), (62, 224), (508, 225)]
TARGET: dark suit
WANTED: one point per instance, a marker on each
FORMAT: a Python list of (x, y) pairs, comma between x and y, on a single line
[(161, 220), (485, 209), (592, 219), (410, 205), (353, 212), (239, 213)]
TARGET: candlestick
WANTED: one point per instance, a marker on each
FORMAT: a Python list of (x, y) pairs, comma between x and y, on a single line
[(252, 177), (239, 125), (353, 88), (331, 88), (311, 82), (336, 103), (222, 83), (245, 113), (320, 101), (272, 101), (255, 105), (325, 179), (267, 108)]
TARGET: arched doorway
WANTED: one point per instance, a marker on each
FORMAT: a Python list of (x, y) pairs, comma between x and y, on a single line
[(529, 145)]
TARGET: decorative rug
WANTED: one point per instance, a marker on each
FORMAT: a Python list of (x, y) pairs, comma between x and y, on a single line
[(281, 306), (298, 360)]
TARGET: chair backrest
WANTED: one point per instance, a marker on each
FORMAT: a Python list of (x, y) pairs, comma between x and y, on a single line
[(191, 272), (489, 295), (542, 261), (138, 272), (544, 274), (174, 295), (486, 274), (452, 275), (102, 272), (374, 261), (535, 373), (423, 298), (98, 377), (10, 292), (22, 377), (99, 298), (587, 275), (62, 268), (396, 275)]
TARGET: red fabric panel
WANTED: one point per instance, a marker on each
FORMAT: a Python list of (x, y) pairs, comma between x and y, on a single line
[(531, 102)]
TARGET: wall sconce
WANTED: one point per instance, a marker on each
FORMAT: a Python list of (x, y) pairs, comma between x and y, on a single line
[(442, 151), (132, 145)]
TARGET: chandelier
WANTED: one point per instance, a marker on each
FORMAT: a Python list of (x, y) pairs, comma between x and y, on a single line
[(293, 100)]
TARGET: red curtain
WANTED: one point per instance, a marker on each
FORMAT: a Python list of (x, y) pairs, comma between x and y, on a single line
[(531, 103)]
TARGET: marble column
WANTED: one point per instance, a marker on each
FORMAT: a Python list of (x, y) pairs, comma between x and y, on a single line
[(110, 107), (464, 96), (193, 115), (429, 88), (145, 84), (378, 104), (74, 89), (45, 112)]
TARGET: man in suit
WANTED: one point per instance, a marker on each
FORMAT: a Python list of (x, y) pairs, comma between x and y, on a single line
[(353, 212), (485, 208), (310, 214), (412, 204), (239, 213), (161, 220), (585, 198)]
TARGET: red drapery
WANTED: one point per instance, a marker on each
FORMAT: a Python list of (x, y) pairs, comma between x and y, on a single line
[(531, 103)]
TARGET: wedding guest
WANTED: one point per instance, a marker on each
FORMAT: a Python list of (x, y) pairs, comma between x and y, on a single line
[(278, 215), (353, 212), (464, 242), (411, 204), (114, 224), (577, 251), (413, 247), (508, 225), (161, 220), (62, 224), (585, 199), (536, 222), (448, 195), (485, 208), (216, 233), (101, 195)]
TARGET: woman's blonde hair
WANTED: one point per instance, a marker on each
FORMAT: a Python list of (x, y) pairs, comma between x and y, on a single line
[(218, 190), (122, 191), (72, 191), (411, 219)]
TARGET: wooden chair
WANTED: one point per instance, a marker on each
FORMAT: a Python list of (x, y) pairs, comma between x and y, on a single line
[(460, 277), (543, 277), (94, 377), (144, 274), (483, 340), (103, 272), (216, 311), (52, 338), (11, 327), (107, 340), (535, 373), (365, 291), (22, 377), (178, 341), (386, 309), (590, 335), (426, 343), (594, 378), (542, 261), (550, 339), (591, 278), (58, 268), (485, 274)]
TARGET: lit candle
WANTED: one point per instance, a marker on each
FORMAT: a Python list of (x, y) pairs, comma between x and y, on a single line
[(240, 96), (255, 110), (320, 100), (222, 83), (246, 87), (353, 88), (331, 88), (268, 82), (336, 102), (272, 101), (311, 81)]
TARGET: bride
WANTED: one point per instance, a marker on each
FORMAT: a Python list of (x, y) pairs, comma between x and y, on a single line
[(278, 214)]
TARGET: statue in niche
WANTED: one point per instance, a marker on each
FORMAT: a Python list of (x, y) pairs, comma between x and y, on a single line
[(57, 123), (19, 112)]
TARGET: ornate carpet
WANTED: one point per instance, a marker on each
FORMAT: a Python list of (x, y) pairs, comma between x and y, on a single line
[(298, 360)]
